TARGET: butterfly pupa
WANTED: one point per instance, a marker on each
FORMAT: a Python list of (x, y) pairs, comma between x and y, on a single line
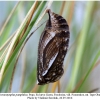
[(52, 48)]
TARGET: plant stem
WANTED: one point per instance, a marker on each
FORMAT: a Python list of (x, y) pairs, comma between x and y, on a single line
[(81, 45)]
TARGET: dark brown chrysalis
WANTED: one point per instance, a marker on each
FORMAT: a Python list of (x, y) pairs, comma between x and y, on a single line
[(52, 49)]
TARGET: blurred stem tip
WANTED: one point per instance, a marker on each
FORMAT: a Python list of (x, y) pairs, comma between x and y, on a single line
[(34, 90), (54, 87)]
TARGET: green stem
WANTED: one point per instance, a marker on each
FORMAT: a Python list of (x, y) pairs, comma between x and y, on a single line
[(25, 35), (81, 45), (93, 63)]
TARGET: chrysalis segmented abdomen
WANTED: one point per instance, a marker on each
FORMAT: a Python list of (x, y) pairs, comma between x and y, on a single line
[(52, 49)]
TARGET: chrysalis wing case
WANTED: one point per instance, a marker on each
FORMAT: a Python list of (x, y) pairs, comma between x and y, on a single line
[(52, 49)]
